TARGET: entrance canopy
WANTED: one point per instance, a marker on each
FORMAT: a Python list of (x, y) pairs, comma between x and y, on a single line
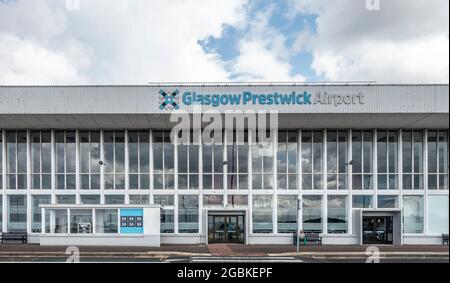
[(387, 229)]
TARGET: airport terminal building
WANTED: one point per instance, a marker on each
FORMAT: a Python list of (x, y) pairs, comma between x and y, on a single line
[(357, 163)]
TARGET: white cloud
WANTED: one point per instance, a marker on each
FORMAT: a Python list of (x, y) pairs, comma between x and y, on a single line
[(113, 41), (263, 54), (406, 41), (24, 62)]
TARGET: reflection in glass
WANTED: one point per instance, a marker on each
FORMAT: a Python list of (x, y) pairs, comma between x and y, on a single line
[(106, 221), (262, 214), (413, 214), (362, 201), (188, 214), (337, 214), (287, 213), (312, 213)]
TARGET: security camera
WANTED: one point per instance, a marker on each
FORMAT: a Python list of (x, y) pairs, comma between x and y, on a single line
[(100, 162)]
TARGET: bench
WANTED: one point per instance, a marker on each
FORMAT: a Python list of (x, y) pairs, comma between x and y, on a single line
[(445, 239), (309, 237), (15, 236)]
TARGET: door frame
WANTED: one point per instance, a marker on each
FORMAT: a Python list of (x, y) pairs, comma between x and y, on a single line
[(226, 212), (374, 230), (380, 212)]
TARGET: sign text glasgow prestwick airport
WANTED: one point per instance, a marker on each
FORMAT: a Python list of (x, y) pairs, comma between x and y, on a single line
[(247, 97)]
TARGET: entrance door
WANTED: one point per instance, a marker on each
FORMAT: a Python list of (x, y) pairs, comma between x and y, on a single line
[(226, 229), (377, 230)]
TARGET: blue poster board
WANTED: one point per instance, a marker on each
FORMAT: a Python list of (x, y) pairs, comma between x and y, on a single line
[(131, 221)]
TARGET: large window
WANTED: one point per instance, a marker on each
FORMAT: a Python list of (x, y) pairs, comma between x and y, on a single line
[(262, 214), (41, 160), (17, 213), (213, 165), (106, 221), (16, 160), (163, 161), (36, 221), (312, 213), (188, 163), (262, 164), (89, 199), (237, 161), (287, 160), (412, 143), (413, 214), (139, 160), (65, 160), (437, 215), (188, 214), (312, 147), (437, 160), (387, 201), (387, 160), (337, 214), (81, 221), (362, 201), (362, 151), (114, 199), (167, 212), (337, 160), (89, 160), (65, 199), (139, 199), (114, 154), (287, 213)]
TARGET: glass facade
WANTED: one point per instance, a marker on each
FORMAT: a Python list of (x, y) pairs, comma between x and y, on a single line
[(237, 161), (387, 160), (188, 163), (163, 161), (337, 214), (143, 167), (89, 160), (188, 215), (65, 150), (413, 214), (337, 156), (262, 214), (362, 155), (114, 160), (312, 213), (213, 164), (437, 215), (41, 154), (36, 211), (287, 213), (287, 168), (362, 201), (312, 160), (16, 160), (412, 142), (262, 165), (437, 160)]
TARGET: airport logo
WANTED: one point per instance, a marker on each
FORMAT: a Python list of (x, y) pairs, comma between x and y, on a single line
[(169, 100)]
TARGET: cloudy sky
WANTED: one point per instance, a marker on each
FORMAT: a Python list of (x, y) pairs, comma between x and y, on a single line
[(141, 41)]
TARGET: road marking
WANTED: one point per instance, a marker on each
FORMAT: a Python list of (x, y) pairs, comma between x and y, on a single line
[(245, 259)]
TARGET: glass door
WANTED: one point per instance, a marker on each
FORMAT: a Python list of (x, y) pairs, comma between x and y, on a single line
[(377, 230), (226, 229)]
